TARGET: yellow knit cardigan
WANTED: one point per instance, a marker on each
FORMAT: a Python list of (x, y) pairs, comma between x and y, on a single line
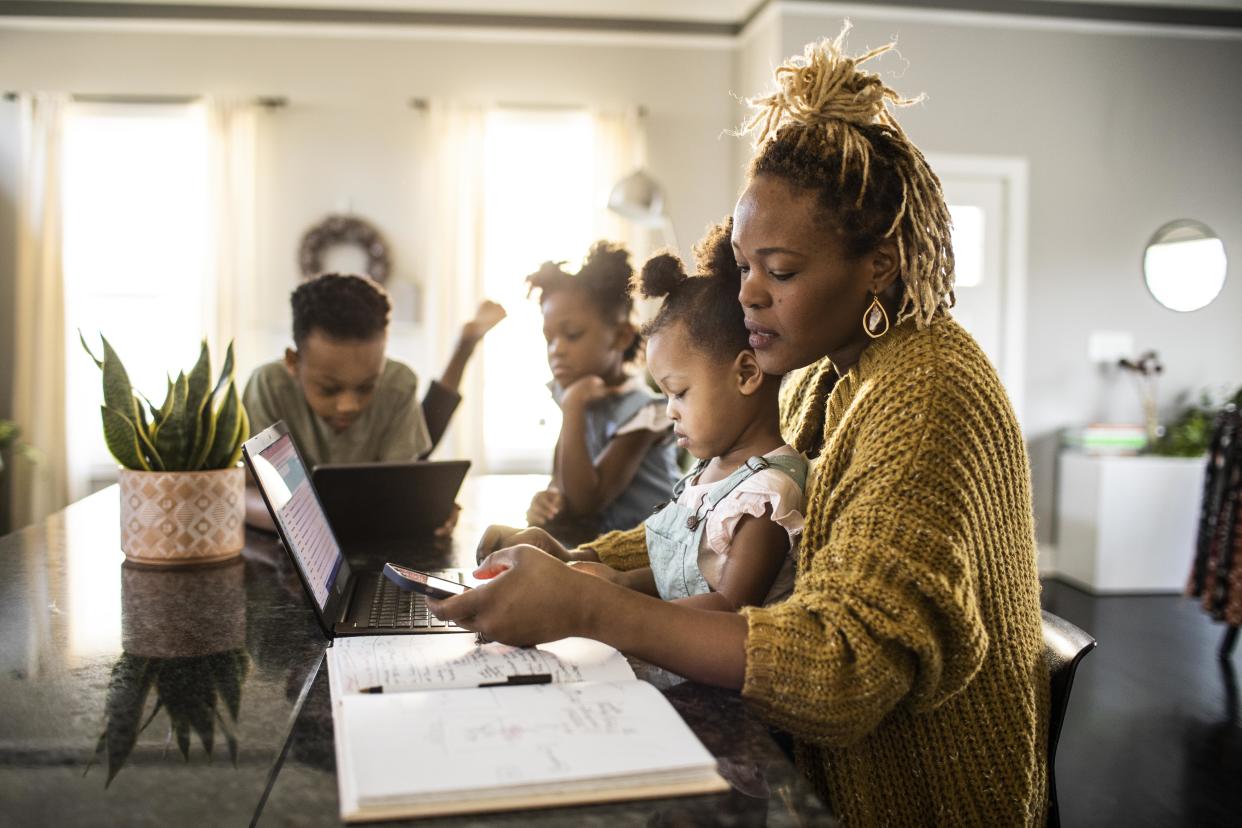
[(908, 663)]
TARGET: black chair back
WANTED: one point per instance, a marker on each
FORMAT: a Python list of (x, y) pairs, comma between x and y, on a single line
[(1064, 647)]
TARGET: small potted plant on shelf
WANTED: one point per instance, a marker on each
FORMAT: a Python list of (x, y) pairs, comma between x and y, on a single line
[(182, 488), (1146, 369), (1190, 434)]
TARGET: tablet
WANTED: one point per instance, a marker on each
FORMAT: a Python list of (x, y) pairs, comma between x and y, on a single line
[(388, 501)]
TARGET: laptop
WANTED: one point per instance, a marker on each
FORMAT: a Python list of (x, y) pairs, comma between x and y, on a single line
[(345, 602), (368, 502)]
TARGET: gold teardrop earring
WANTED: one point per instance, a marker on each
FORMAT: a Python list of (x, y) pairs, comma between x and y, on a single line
[(873, 317)]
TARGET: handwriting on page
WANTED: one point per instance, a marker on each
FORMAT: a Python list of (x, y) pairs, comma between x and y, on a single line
[(444, 662), (515, 736)]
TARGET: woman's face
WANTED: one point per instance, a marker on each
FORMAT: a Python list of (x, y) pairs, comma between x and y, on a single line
[(804, 298)]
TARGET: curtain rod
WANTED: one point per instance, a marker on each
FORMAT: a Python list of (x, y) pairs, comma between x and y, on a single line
[(279, 101), (421, 104), (269, 101)]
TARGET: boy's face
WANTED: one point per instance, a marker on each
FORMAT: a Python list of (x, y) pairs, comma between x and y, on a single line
[(337, 376)]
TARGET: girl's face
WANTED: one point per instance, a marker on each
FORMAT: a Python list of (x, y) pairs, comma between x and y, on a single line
[(580, 341), (803, 297), (711, 400)]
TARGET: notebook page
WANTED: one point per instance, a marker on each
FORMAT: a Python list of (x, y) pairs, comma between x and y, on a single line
[(475, 744), (426, 662)]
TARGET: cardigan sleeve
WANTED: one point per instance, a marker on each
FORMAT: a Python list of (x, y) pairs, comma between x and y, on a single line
[(884, 612), (623, 550)]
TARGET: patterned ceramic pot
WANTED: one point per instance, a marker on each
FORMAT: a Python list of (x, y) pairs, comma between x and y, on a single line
[(174, 518)]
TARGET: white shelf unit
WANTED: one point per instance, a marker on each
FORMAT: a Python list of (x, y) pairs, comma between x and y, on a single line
[(1127, 524)]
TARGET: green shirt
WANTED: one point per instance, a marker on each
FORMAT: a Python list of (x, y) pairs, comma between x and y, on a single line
[(391, 429)]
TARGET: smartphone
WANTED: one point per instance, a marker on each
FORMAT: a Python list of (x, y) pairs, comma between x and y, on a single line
[(430, 585)]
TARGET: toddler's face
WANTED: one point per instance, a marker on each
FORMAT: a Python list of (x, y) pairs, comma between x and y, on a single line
[(707, 408), (338, 376), (580, 342)]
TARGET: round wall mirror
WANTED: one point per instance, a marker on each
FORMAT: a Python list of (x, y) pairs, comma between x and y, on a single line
[(1184, 265)]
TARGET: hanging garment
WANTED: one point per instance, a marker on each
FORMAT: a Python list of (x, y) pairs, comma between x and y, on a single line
[(1216, 578)]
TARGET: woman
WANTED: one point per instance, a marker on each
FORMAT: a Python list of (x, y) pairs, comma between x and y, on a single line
[(907, 663)]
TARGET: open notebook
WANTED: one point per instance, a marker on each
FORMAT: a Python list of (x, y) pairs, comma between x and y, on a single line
[(435, 743)]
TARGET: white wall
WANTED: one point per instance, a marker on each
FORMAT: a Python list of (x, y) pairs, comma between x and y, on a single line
[(348, 132), (759, 52), (1123, 132)]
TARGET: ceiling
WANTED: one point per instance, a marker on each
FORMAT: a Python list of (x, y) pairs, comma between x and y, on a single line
[(711, 17), (718, 11)]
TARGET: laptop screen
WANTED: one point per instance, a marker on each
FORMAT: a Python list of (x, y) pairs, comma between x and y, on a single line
[(280, 472)]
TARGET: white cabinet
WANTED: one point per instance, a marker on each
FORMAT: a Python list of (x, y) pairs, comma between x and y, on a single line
[(1127, 524)]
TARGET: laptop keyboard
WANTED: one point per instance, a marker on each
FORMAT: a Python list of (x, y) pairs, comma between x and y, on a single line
[(394, 608)]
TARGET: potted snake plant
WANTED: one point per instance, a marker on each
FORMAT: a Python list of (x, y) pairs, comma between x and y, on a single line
[(182, 488)]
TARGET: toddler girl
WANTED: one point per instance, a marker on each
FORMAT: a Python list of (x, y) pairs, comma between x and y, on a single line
[(727, 537), (615, 459)]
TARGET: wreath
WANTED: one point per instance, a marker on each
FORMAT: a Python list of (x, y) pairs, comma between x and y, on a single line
[(349, 230)]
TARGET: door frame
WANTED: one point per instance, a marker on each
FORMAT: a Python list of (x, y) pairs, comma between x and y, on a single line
[(1014, 174)]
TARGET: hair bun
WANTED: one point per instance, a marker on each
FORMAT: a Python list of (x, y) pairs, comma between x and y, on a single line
[(608, 260), (825, 86), (549, 269), (661, 275)]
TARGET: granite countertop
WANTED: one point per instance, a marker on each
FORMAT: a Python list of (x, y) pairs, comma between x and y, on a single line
[(199, 696)]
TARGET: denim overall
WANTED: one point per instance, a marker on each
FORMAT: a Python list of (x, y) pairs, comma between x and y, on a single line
[(674, 531)]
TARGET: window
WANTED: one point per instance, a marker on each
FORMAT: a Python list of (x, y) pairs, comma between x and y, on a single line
[(987, 199), (969, 244), (135, 258), (539, 206), (976, 205)]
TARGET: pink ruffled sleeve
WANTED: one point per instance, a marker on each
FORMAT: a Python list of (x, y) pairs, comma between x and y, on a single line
[(753, 496)]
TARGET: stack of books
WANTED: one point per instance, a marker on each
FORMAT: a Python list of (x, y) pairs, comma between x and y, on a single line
[(1106, 438)]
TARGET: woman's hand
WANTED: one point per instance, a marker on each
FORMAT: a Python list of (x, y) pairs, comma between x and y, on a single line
[(498, 537), (544, 506), (532, 598), (600, 570)]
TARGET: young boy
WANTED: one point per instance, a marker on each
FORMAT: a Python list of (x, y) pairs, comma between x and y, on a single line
[(342, 399)]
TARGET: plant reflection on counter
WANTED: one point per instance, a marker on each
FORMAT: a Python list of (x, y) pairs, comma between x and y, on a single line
[(183, 634), (192, 691)]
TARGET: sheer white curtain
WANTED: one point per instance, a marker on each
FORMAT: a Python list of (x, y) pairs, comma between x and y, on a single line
[(458, 194), (39, 360), (232, 135), (39, 363), (620, 149), (453, 171)]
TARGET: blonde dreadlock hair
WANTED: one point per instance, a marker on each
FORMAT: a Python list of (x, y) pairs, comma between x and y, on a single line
[(828, 129)]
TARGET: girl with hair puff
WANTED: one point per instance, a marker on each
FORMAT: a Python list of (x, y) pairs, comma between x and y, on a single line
[(727, 537), (614, 459), (908, 663)]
